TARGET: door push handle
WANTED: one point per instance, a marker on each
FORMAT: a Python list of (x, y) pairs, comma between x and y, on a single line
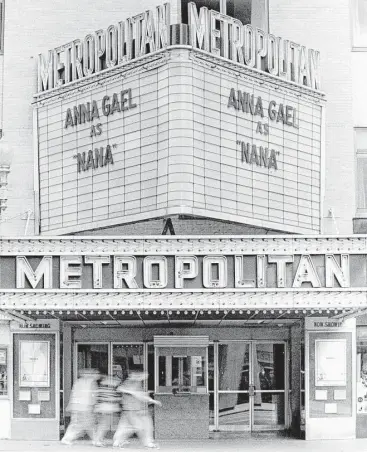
[(252, 390)]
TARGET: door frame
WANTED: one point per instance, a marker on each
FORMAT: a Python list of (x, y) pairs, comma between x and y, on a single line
[(212, 427), (251, 427), (145, 356)]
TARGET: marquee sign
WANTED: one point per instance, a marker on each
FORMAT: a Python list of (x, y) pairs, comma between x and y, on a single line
[(277, 113), (183, 132), (145, 33), (137, 148), (129, 272)]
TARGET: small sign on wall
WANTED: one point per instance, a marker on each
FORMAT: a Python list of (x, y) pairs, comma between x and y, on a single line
[(321, 395), (34, 409), (24, 395), (43, 395), (331, 408), (340, 394)]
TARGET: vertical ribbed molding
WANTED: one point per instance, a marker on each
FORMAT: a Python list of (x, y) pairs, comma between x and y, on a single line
[(181, 341), (179, 35)]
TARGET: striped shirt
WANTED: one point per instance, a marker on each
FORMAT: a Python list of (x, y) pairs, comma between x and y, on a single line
[(108, 399)]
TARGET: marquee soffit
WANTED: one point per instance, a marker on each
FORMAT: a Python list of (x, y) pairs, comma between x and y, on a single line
[(336, 300)]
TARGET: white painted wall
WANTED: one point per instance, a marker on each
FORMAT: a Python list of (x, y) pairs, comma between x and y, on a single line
[(325, 25), (359, 70)]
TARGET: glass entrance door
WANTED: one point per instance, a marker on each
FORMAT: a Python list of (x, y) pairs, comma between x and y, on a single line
[(127, 358), (116, 359), (269, 392), (92, 355), (252, 388), (234, 386)]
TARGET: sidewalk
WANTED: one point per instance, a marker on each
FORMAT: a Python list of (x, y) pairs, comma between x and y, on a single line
[(243, 443)]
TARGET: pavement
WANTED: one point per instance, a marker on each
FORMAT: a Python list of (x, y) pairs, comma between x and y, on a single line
[(216, 443)]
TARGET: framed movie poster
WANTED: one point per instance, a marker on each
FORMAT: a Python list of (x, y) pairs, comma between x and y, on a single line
[(330, 363), (34, 364)]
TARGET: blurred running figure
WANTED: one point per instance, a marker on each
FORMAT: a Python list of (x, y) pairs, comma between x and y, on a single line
[(108, 403), (134, 418), (81, 406)]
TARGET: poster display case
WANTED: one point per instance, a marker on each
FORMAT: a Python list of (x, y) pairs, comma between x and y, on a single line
[(331, 363), (34, 364), (34, 391)]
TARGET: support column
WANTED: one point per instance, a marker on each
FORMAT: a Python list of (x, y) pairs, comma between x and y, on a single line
[(295, 372), (330, 352), (67, 369), (36, 380)]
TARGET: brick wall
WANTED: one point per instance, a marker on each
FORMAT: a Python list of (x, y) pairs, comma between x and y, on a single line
[(182, 225)]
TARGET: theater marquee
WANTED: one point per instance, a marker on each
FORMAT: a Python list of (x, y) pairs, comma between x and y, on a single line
[(168, 272), (183, 130), (186, 271)]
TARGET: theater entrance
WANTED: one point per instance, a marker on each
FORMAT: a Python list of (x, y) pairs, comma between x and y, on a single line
[(241, 385), (252, 388)]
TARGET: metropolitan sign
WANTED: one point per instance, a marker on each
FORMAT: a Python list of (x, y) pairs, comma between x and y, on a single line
[(126, 272), (147, 32)]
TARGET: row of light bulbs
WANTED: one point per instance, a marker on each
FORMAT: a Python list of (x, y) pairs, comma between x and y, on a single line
[(185, 312)]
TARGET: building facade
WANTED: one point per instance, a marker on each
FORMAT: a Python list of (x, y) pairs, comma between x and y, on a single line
[(227, 126), (237, 333)]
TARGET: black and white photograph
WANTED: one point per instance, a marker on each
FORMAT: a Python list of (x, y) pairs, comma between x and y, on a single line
[(183, 225)]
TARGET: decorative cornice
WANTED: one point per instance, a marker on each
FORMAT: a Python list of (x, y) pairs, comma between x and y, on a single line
[(181, 53), (175, 245), (100, 79), (262, 79), (274, 299)]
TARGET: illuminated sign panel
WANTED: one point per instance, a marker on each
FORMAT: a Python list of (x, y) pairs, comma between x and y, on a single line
[(189, 271), (180, 135)]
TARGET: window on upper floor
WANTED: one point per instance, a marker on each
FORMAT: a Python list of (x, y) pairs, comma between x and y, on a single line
[(361, 158), (253, 12), (2, 22), (359, 17)]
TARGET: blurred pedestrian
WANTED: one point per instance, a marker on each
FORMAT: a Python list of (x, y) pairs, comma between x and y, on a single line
[(108, 403), (135, 417), (81, 406)]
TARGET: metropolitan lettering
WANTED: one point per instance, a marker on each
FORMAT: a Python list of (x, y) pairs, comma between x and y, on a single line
[(130, 272)]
